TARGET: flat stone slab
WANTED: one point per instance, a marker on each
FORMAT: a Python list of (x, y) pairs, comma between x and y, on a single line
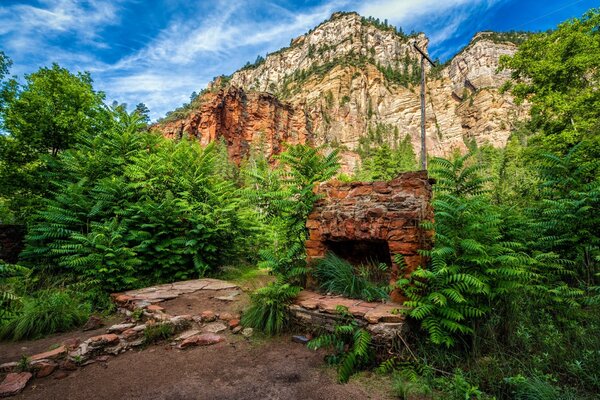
[(14, 383), (214, 327), (372, 312), (169, 291)]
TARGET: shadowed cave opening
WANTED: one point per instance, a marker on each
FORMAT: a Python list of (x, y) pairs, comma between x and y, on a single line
[(366, 256)]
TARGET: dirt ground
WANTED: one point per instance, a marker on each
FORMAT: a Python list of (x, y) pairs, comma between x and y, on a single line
[(236, 369), (12, 351)]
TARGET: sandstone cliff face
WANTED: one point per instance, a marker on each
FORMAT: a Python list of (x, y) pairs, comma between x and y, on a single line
[(242, 119), (348, 77)]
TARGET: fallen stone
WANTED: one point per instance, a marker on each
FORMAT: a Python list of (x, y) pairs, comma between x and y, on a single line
[(50, 355), (155, 308), (81, 352), (247, 332), (94, 322), (139, 328), (130, 334), (214, 327), (68, 365), (204, 339), (103, 358), (122, 299), (44, 368), (102, 340), (14, 383), (88, 362), (208, 316), (300, 339), (384, 313), (181, 322), (9, 366), (119, 328), (229, 297), (141, 303), (237, 329), (219, 285), (72, 344), (234, 323), (225, 316), (61, 375), (187, 334)]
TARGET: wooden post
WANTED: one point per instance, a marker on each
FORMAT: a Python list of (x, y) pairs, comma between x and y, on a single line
[(423, 133), (423, 143)]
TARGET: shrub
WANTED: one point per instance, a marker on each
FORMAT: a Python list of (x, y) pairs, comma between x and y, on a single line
[(158, 332), (268, 312), (351, 346), (49, 311), (338, 276)]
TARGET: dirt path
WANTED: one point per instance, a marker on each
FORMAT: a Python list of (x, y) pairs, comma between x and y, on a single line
[(237, 369)]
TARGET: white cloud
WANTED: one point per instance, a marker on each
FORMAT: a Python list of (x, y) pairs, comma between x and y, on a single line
[(57, 17)]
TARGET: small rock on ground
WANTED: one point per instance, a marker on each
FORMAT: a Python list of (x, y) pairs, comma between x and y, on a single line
[(208, 316), (14, 383), (214, 327), (247, 332), (204, 339), (94, 322)]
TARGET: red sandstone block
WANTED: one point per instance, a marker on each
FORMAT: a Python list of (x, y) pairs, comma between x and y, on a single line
[(50, 355), (312, 224), (403, 248), (313, 244)]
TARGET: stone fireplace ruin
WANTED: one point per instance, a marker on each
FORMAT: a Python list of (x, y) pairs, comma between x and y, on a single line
[(373, 222)]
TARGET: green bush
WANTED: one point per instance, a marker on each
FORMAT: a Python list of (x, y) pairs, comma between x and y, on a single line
[(351, 346), (268, 312), (136, 209), (338, 276), (158, 332), (48, 311)]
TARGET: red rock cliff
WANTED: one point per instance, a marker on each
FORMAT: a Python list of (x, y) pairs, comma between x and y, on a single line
[(242, 119)]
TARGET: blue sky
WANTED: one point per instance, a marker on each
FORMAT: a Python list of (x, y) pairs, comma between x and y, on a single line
[(159, 51)]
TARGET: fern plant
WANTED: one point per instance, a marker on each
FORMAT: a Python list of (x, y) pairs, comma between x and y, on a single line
[(10, 296), (268, 312), (350, 343), (288, 203), (472, 266)]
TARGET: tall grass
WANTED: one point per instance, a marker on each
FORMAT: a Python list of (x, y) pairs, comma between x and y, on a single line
[(338, 276), (49, 311)]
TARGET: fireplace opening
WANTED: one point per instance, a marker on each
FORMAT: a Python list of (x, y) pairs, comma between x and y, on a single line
[(370, 257)]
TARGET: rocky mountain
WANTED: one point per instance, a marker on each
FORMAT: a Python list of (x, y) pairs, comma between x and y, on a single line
[(350, 83)]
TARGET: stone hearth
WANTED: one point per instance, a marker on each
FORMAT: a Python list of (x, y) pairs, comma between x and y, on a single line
[(373, 221)]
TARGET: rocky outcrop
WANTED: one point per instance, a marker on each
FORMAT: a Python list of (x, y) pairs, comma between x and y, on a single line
[(242, 120), (348, 78)]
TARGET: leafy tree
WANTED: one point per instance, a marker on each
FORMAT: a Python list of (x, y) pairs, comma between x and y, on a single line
[(143, 112), (53, 111), (559, 72)]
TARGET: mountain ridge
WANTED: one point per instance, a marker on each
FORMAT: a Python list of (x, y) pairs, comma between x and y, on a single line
[(349, 77)]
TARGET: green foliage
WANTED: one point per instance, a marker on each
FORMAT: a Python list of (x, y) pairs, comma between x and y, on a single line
[(558, 72), (289, 204), (10, 298), (135, 208), (380, 161), (351, 346), (24, 364), (158, 332), (268, 312), (48, 311), (338, 276), (472, 265), (53, 111)]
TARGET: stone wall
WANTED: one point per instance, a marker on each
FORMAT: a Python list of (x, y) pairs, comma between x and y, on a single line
[(374, 212), (11, 242)]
